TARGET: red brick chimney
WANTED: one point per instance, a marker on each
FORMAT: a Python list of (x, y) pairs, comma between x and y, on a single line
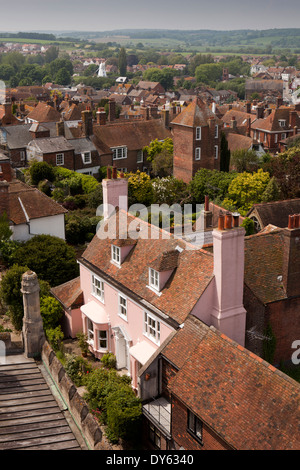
[(111, 110), (293, 119), (4, 198), (101, 117), (87, 122), (5, 169), (291, 256)]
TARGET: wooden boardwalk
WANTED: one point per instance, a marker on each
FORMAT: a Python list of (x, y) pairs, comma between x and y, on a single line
[(30, 416)]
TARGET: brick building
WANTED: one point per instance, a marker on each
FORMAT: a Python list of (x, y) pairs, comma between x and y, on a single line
[(203, 391), (196, 135)]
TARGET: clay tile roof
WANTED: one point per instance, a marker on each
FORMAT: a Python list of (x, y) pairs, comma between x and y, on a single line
[(197, 113), (237, 141), (265, 280), (246, 401), (44, 113), (69, 294), (166, 261), (25, 201), (178, 297)]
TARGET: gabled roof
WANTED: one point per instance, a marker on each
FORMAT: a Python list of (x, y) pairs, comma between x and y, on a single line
[(134, 134), (44, 113), (27, 203), (178, 297), (69, 293), (52, 144), (246, 401), (271, 122), (197, 113), (275, 213)]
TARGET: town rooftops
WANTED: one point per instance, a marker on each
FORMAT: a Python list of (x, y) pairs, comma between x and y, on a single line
[(246, 401), (197, 113), (276, 212), (52, 144), (44, 113)]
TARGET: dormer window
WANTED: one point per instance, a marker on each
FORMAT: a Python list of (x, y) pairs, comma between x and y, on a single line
[(116, 254), (86, 157), (154, 279), (281, 122)]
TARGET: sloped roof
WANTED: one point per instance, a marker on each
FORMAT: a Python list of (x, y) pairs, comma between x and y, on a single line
[(265, 281), (134, 134), (25, 201), (52, 144), (178, 296), (44, 113), (275, 213), (197, 113), (246, 401), (271, 122), (69, 293)]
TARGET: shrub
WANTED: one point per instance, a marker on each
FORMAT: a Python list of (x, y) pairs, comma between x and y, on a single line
[(51, 312), (11, 296), (55, 337), (109, 360), (124, 412), (41, 171), (76, 368), (249, 226)]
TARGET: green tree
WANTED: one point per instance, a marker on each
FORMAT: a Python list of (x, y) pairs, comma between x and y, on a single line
[(122, 62), (208, 73), (51, 54), (40, 171), (244, 160), (140, 189), (51, 312), (63, 77), (272, 191), (49, 257), (249, 226), (212, 183), (5, 231), (245, 190), (11, 296)]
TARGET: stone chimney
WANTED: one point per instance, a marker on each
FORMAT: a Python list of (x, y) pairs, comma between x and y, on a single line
[(291, 256), (32, 333), (115, 192), (145, 111), (87, 122), (229, 315)]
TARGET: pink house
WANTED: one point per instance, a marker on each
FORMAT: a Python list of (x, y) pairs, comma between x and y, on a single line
[(138, 287)]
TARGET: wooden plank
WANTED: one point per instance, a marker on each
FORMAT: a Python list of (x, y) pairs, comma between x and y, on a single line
[(48, 440), (21, 385), (34, 434), (33, 419), (26, 407), (69, 445), (31, 394), (21, 368), (29, 413), (26, 400), (20, 377), (57, 422)]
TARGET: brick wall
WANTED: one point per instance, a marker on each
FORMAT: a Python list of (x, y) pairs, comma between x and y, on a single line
[(68, 159), (183, 438)]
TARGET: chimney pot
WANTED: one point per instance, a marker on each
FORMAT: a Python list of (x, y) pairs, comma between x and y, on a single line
[(228, 220), (296, 220), (206, 203), (221, 222), (291, 222), (108, 172), (236, 219), (114, 172)]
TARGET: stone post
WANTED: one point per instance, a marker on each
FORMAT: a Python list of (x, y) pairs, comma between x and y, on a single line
[(32, 333)]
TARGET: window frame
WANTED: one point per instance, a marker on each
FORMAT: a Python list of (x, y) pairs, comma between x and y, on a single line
[(83, 158), (102, 339), (90, 332), (151, 324), (62, 155), (116, 254), (122, 306), (140, 156), (193, 422), (198, 153), (122, 150), (216, 131), (198, 133), (216, 152), (154, 279), (100, 288)]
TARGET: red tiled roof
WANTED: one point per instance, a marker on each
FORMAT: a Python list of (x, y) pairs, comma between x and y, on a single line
[(44, 113), (35, 203), (178, 296), (245, 400), (195, 114), (69, 293)]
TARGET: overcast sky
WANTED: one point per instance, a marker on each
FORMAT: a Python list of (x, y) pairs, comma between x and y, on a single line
[(103, 15)]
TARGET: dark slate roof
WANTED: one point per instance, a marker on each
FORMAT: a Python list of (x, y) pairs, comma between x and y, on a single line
[(275, 213), (52, 144)]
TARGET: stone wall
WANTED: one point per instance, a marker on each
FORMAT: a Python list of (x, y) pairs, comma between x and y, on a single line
[(90, 429)]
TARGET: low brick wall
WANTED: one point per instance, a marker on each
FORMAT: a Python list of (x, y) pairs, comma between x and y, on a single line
[(90, 429)]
